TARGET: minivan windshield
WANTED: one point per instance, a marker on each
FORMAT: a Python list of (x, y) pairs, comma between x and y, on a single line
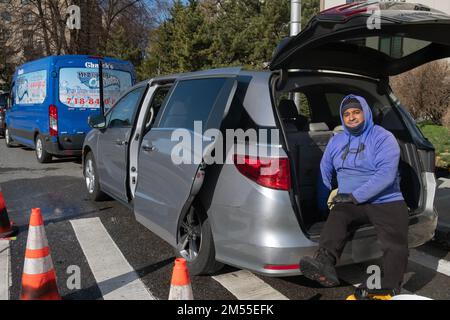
[(79, 87)]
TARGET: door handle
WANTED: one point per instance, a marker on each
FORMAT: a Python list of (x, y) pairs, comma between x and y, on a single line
[(148, 148), (121, 142)]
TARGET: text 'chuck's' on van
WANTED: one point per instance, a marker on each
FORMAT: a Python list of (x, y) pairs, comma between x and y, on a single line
[(52, 98)]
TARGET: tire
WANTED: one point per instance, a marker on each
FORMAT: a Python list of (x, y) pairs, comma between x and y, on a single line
[(197, 222), (91, 178), (8, 139), (42, 155)]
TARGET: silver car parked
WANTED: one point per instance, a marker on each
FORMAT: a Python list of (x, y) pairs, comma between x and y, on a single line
[(236, 213)]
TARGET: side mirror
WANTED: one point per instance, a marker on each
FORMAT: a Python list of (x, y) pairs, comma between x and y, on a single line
[(97, 121)]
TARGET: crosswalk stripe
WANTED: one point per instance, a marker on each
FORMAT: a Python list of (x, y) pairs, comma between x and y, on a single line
[(246, 286), (429, 261), (5, 270), (115, 277)]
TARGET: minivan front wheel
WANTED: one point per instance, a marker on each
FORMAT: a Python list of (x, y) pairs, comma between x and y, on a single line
[(41, 154), (196, 244)]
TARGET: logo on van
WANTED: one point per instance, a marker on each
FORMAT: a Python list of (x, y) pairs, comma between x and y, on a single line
[(91, 80), (92, 65)]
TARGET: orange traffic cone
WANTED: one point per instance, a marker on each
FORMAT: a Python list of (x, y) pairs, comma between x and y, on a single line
[(6, 229), (39, 277), (180, 288)]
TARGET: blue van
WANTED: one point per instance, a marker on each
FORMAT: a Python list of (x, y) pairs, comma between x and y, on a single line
[(52, 98)]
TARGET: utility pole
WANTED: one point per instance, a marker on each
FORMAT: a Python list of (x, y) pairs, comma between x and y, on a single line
[(296, 17), (296, 27)]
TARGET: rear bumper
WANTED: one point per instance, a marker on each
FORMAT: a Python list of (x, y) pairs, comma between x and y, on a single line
[(64, 145), (363, 247)]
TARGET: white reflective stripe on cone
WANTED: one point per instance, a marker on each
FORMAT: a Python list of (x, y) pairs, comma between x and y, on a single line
[(38, 265), (36, 238), (181, 293), (409, 297)]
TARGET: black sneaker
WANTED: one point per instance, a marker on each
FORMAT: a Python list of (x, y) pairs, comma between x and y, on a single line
[(320, 268)]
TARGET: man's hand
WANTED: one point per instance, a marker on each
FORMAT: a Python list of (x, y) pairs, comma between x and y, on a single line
[(344, 198)]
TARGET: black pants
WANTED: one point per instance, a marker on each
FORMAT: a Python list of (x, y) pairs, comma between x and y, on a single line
[(391, 224)]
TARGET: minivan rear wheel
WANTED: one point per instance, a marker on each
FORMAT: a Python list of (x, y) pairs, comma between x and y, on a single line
[(196, 243), (41, 154)]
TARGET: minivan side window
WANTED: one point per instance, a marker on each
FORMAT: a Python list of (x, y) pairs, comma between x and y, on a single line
[(123, 112), (158, 100), (192, 100)]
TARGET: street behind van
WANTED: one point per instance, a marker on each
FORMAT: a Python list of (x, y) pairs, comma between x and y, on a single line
[(52, 98)]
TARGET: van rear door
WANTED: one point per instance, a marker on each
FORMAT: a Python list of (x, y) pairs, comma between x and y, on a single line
[(78, 97)]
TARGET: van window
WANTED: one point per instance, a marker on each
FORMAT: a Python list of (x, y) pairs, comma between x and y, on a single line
[(2, 100), (396, 46), (334, 101), (191, 101), (31, 88), (79, 87), (159, 98), (122, 114)]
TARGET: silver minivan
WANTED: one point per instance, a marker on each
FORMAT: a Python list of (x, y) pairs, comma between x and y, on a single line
[(235, 212)]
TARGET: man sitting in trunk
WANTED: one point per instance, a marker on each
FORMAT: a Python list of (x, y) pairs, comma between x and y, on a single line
[(365, 158)]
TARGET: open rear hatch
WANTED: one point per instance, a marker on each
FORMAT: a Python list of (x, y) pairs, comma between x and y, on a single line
[(372, 39), (368, 38)]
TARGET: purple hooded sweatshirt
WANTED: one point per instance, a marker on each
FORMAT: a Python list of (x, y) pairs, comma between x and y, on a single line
[(370, 169)]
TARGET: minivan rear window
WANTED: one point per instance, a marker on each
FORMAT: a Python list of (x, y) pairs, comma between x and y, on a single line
[(395, 47), (79, 87)]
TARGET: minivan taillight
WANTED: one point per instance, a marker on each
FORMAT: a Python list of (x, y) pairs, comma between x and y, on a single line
[(273, 173), (53, 120)]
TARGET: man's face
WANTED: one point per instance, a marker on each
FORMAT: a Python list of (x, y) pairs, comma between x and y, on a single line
[(353, 117)]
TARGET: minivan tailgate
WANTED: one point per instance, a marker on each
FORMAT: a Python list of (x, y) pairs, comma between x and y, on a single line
[(343, 39)]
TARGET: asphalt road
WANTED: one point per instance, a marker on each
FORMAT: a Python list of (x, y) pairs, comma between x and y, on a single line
[(58, 189)]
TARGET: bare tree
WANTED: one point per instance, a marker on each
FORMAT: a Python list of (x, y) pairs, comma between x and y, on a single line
[(425, 91), (446, 119)]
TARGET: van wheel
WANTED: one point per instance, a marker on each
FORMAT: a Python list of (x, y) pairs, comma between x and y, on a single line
[(196, 243), (41, 154), (8, 139), (92, 179)]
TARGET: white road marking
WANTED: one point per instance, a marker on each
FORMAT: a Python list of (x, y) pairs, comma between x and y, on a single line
[(5, 270), (445, 183), (115, 277), (246, 286), (431, 262)]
